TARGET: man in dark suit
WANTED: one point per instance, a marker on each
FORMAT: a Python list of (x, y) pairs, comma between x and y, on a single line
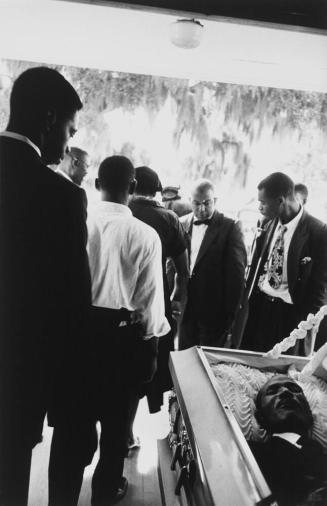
[(287, 277), (293, 464), (217, 265), (45, 283)]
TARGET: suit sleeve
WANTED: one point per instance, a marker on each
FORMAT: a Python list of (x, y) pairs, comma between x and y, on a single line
[(317, 286), (79, 281), (149, 292), (235, 264)]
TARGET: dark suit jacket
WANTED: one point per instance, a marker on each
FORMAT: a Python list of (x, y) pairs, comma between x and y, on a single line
[(170, 231), (217, 280), (45, 284), (291, 473), (307, 280)]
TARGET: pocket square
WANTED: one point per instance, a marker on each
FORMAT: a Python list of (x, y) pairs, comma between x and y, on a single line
[(305, 260)]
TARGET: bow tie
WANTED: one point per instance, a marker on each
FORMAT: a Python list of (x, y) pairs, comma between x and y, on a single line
[(203, 222)]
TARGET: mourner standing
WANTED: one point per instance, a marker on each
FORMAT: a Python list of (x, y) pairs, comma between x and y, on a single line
[(128, 315), (45, 284), (145, 207), (287, 278), (217, 265), (74, 166)]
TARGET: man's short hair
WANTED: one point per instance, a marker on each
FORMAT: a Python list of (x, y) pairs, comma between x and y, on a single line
[(303, 189), (148, 182), (116, 173), (277, 185), (39, 89), (202, 185), (75, 152)]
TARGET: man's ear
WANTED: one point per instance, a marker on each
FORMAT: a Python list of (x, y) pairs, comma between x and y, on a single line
[(50, 119), (132, 187), (97, 184)]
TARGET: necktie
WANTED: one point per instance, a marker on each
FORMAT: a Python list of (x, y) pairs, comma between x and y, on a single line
[(275, 269), (201, 222)]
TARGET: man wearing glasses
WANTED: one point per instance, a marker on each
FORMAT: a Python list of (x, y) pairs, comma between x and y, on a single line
[(217, 266), (74, 166)]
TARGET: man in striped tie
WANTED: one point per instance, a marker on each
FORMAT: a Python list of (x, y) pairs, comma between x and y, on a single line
[(287, 276)]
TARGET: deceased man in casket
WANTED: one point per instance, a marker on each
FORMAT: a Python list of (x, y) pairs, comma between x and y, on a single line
[(294, 465)]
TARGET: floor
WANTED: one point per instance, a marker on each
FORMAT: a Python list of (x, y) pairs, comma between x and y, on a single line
[(140, 466)]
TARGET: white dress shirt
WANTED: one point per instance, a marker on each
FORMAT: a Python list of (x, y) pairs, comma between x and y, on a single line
[(282, 292), (125, 263), (22, 138), (198, 233), (291, 437)]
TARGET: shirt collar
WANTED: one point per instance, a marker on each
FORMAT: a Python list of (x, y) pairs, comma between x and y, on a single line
[(291, 437), (291, 225), (63, 174), (148, 200), (22, 138), (115, 208)]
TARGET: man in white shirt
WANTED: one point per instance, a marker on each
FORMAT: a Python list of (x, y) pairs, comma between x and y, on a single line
[(74, 166), (293, 464), (126, 273), (287, 278)]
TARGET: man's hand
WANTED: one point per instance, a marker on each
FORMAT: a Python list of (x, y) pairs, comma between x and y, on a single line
[(136, 317), (176, 307)]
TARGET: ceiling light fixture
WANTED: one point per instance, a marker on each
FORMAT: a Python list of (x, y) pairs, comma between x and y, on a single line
[(186, 33)]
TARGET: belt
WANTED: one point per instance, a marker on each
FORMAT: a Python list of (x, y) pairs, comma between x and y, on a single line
[(117, 316)]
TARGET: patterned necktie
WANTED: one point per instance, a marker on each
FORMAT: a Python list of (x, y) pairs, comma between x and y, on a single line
[(275, 269)]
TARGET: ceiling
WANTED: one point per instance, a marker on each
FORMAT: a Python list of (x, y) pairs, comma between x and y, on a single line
[(305, 13), (107, 36)]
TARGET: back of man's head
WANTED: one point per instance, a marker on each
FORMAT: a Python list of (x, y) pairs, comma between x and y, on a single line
[(38, 90), (116, 174), (277, 185), (301, 192), (148, 182)]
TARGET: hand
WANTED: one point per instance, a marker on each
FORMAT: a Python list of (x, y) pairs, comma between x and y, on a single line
[(136, 317), (176, 308)]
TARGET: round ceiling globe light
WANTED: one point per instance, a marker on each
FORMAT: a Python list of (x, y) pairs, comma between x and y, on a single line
[(186, 33)]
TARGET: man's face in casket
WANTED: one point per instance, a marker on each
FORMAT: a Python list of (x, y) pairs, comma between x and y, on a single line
[(283, 407)]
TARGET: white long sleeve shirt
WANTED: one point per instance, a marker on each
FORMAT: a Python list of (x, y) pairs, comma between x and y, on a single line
[(125, 263)]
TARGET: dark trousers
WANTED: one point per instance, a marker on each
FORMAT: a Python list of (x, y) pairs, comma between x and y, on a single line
[(72, 449), (15, 465), (122, 360), (270, 321), (194, 332), (22, 414)]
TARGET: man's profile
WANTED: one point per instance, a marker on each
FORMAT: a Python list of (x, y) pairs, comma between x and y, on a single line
[(45, 290), (74, 166), (293, 464)]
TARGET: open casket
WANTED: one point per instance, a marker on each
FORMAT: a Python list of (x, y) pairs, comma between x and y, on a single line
[(205, 460)]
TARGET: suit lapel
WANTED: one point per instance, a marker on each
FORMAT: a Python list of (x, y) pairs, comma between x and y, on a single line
[(211, 233), (300, 237)]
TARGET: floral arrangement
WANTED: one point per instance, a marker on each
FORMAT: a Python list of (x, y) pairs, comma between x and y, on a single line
[(311, 324)]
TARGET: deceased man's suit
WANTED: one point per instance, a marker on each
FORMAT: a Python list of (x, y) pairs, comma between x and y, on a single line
[(306, 273), (44, 295), (216, 283), (291, 472)]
